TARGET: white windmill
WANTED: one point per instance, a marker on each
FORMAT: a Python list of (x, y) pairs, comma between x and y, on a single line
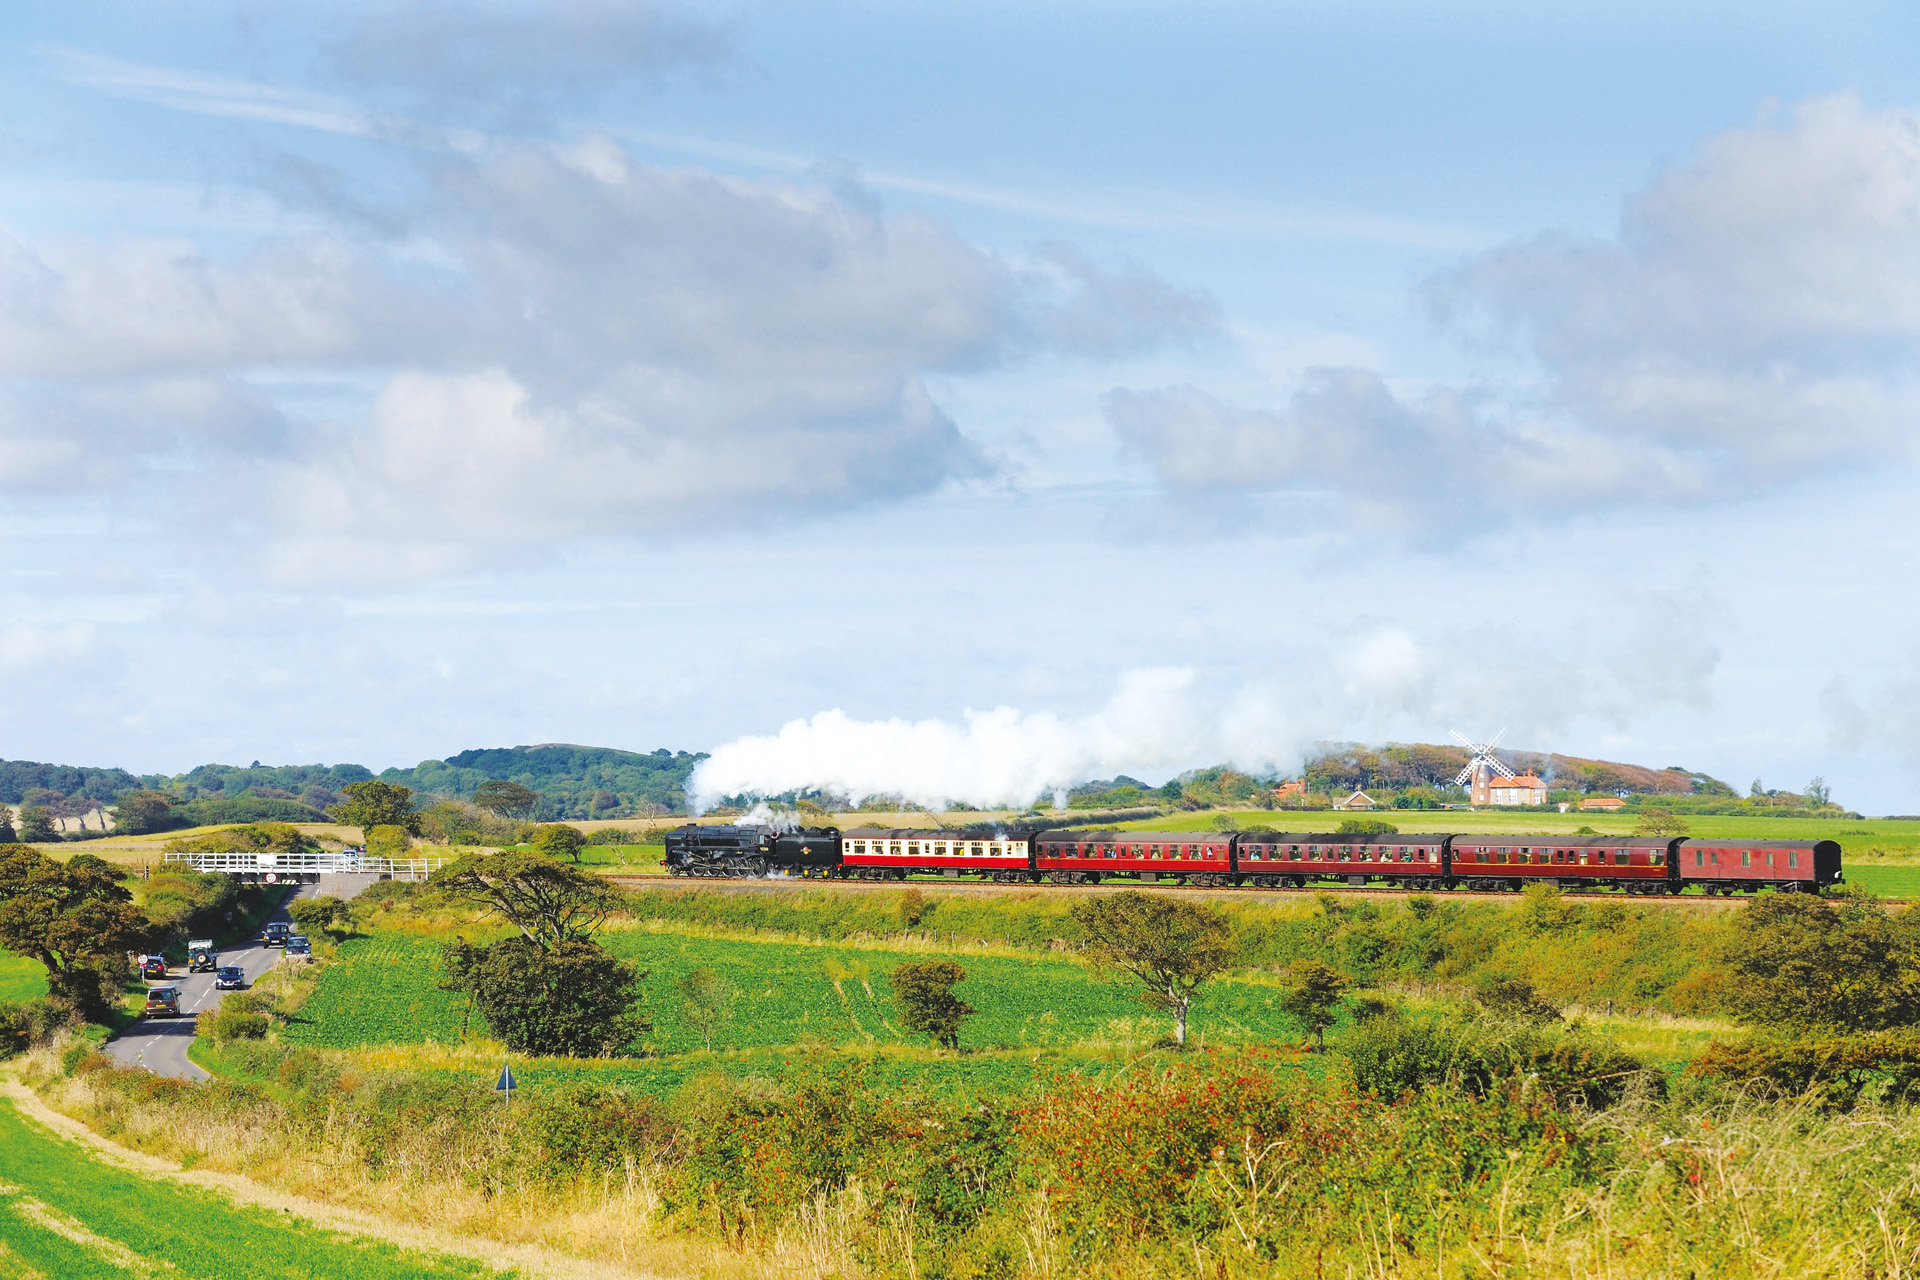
[(1483, 764)]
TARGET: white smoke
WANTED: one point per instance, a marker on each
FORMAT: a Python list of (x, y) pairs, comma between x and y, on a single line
[(1155, 721)]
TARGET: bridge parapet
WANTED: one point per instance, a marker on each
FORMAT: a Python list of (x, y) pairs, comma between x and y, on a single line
[(306, 866)]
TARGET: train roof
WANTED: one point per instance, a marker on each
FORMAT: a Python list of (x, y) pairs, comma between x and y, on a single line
[(929, 833), (1080, 835)]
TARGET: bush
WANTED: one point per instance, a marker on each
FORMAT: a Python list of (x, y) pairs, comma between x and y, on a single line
[(388, 840), (34, 1022), (1394, 1058), (1835, 1070)]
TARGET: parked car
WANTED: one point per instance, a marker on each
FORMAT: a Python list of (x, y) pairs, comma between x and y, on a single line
[(163, 1002), (230, 977), (299, 945), (275, 934), (201, 956), (153, 967)]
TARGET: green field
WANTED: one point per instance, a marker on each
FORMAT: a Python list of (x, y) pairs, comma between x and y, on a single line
[(20, 978), (384, 990), (65, 1213)]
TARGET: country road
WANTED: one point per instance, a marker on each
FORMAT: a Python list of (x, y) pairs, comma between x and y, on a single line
[(160, 1044)]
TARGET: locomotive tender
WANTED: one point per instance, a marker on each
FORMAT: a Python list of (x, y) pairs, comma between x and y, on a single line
[(1265, 860)]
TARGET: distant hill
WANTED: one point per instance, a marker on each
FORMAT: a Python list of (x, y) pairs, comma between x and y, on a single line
[(1346, 767), (573, 782)]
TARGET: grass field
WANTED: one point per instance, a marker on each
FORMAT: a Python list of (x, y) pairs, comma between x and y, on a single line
[(384, 990), (65, 1213), (20, 978)]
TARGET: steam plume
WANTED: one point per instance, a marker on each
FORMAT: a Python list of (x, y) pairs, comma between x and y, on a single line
[(998, 758)]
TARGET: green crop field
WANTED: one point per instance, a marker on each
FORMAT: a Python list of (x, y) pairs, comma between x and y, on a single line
[(65, 1213), (20, 978), (384, 991)]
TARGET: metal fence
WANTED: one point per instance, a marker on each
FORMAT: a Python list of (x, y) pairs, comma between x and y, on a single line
[(306, 866)]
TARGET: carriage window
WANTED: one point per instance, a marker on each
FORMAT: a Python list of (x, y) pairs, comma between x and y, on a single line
[(998, 850), (1699, 857), (1620, 857), (1481, 856), (913, 850), (1346, 853), (859, 846), (1106, 851), (1769, 857), (1423, 855), (1657, 858), (1793, 858), (1746, 857), (978, 851), (1293, 853), (1540, 858)]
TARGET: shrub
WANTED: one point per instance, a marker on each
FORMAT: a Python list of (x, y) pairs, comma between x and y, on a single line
[(33, 1022), (1835, 1070), (388, 840), (924, 992), (1397, 1058)]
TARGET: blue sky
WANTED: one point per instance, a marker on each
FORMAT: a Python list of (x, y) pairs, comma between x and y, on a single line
[(1085, 388)]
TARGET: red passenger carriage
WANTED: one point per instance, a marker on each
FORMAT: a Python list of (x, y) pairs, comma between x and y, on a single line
[(1177, 857)]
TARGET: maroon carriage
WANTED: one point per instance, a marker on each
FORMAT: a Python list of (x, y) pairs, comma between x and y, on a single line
[(1273, 860), (1728, 866), (1637, 864), (872, 853), (1178, 857)]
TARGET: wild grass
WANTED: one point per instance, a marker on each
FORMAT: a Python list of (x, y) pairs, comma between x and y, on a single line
[(64, 1212), (1217, 1166)]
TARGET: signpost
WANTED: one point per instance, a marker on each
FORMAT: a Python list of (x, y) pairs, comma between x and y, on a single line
[(506, 1084)]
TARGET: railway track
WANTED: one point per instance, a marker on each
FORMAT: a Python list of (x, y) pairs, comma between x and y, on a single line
[(782, 884)]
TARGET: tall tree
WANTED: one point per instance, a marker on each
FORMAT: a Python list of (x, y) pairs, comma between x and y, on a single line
[(506, 799), (36, 824), (1171, 946), (924, 993), (141, 812), (374, 803), (560, 842), (572, 998), (77, 921), (549, 903)]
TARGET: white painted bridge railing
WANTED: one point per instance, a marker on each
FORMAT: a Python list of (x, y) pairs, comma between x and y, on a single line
[(270, 867)]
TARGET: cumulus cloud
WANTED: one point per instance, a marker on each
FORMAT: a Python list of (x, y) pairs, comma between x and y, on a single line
[(1754, 317), (569, 343)]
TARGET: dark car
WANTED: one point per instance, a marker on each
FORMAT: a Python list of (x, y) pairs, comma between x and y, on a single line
[(153, 967), (230, 977), (275, 934), (299, 945), (163, 1002)]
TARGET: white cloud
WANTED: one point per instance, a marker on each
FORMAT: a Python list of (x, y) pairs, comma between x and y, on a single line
[(1761, 302), (598, 347), (1755, 318)]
